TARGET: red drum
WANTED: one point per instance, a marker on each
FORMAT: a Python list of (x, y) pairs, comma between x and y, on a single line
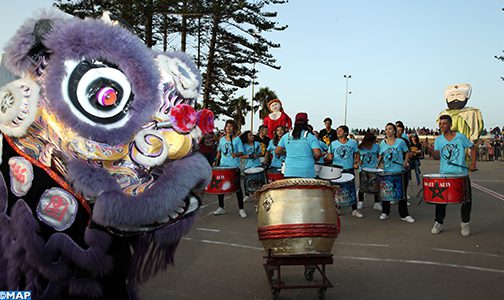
[(224, 180), (274, 174), (446, 188)]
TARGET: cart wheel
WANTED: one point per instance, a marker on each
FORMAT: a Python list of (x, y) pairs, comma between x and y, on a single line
[(308, 273), (321, 293), (275, 293)]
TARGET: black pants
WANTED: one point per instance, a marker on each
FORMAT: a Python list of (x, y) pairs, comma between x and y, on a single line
[(403, 208), (465, 212), (239, 196), (361, 197)]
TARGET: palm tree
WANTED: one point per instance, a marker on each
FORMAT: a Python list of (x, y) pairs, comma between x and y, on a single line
[(261, 98), (237, 109)]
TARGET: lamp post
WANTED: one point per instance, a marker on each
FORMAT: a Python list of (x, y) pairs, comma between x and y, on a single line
[(346, 95)]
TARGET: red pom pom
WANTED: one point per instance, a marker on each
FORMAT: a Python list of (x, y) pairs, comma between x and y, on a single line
[(182, 118), (205, 120)]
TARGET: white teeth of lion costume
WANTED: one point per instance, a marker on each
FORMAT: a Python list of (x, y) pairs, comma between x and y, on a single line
[(99, 168)]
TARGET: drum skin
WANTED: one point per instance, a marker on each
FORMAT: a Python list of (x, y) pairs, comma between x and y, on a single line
[(297, 216), (445, 188), (274, 175), (224, 180), (392, 187)]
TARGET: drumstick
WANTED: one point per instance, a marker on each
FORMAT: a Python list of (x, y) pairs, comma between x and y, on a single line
[(461, 166)]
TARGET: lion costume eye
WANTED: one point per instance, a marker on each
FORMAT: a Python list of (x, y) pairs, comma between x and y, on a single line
[(98, 93)]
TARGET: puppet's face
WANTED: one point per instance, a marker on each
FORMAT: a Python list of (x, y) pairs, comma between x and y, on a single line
[(457, 95), (116, 116), (275, 107)]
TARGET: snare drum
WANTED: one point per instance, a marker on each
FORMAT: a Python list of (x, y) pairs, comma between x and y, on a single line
[(345, 195), (446, 188), (254, 179), (368, 180), (224, 180), (274, 174), (392, 187)]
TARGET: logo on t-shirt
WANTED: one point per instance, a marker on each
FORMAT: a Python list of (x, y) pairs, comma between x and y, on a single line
[(450, 152), (391, 155), (367, 158), (228, 149), (344, 152)]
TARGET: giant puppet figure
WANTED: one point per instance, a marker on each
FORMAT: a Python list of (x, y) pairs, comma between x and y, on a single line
[(276, 117), (99, 171), (466, 120)]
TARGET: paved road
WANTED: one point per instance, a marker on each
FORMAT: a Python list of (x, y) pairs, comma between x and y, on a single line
[(221, 258)]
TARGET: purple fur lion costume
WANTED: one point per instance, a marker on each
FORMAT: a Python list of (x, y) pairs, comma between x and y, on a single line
[(98, 161)]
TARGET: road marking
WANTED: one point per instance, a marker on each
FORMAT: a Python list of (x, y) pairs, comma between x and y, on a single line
[(482, 180), (421, 262), (392, 260), (363, 244), (224, 244), (465, 252), (207, 229), (488, 191)]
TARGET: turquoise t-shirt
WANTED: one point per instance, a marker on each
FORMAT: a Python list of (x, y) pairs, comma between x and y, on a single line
[(299, 161), (250, 151), (226, 148), (369, 157), (276, 161), (452, 153), (393, 156), (343, 153), (323, 148)]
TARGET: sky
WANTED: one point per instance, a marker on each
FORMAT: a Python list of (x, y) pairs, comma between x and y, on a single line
[(401, 56)]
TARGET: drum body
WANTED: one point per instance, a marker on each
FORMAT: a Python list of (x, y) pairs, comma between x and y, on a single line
[(297, 216), (345, 195), (224, 180), (368, 180), (327, 172), (254, 179), (446, 188), (274, 174), (392, 187)]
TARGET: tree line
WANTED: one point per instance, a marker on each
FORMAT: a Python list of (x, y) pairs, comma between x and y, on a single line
[(225, 37)]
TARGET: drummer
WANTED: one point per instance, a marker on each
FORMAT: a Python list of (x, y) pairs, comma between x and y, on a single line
[(453, 162), (276, 160), (392, 151), (369, 152), (323, 147), (301, 149), (251, 153), (345, 153), (228, 155)]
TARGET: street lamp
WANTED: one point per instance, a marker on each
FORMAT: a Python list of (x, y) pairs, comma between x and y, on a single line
[(346, 95)]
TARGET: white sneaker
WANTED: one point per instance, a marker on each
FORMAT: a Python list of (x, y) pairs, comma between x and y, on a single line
[(219, 211), (242, 213), (357, 213), (360, 204), (437, 228), (246, 198), (464, 229), (408, 219), (377, 206), (384, 216)]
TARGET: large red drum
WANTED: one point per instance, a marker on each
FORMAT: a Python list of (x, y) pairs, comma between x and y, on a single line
[(224, 180), (446, 188), (274, 174)]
